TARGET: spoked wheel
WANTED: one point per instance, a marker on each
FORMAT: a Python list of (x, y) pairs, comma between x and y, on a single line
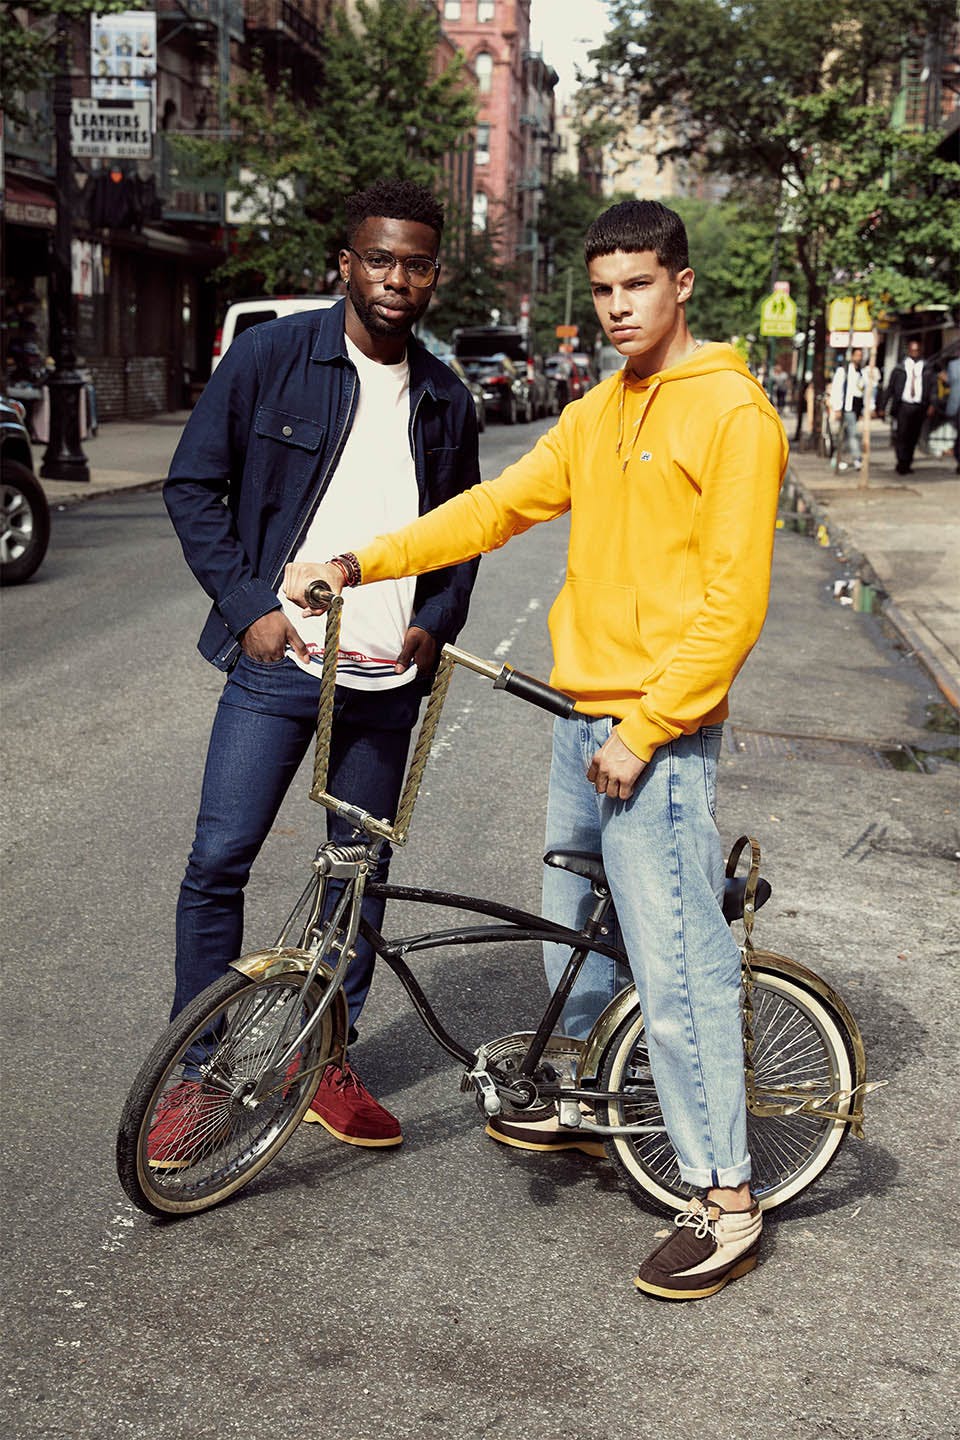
[(210, 1108), (799, 1041)]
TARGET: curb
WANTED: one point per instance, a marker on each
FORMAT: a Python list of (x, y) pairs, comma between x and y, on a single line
[(833, 537), (85, 497)]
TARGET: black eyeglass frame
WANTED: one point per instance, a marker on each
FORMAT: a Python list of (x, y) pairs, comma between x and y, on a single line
[(395, 261)]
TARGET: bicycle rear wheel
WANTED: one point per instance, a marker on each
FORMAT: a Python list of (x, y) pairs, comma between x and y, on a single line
[(209, 1109), (799, 1040)]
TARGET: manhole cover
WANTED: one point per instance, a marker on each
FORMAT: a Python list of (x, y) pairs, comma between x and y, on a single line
[(768, 745)]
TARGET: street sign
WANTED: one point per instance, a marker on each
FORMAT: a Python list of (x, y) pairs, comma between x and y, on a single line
[(839, 314), (860, 339), (118, 131), (567, 332), (778, 316)]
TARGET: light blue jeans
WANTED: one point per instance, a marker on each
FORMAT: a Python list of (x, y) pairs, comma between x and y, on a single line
[(662, 856)]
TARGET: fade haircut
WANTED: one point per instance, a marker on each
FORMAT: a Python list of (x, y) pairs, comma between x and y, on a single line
[(636, 225), (394, 200)]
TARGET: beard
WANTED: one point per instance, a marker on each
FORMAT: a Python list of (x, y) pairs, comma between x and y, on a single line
[(375, 324)]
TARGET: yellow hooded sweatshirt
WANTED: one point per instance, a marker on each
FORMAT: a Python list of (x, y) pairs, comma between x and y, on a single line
[(671, 483)]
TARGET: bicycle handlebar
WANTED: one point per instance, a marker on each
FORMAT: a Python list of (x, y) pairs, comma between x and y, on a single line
[(515, 682), (318, 595)]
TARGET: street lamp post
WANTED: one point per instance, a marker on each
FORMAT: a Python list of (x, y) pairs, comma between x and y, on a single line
[(64, 459)]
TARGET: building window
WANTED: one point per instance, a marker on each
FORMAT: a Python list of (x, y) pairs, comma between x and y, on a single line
[(480, 211), (483, 67), (482, 155), (485, 9), (451, 9)]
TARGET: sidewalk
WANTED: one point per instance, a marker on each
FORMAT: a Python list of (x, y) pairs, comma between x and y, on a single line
[(900, 537), (123, 455)]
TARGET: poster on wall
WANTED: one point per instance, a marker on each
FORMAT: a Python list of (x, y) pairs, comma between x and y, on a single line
[(123, 56)]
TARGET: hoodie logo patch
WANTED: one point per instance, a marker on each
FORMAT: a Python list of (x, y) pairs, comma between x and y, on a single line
[(645, 455)]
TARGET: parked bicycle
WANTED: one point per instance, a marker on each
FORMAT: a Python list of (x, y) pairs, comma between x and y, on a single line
[(226, 1085)]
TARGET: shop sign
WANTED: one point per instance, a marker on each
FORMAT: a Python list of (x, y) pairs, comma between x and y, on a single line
[(123, 58), (120, 131)]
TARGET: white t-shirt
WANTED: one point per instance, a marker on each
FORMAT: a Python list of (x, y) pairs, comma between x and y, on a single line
[(372, 491)]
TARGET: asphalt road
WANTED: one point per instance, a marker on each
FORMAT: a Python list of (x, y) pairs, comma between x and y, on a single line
[(451, 1290)]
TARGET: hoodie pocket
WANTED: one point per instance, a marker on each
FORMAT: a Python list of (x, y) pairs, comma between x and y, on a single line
[(596, 639)]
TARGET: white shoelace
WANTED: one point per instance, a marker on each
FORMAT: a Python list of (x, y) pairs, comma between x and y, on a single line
[(700, 1219)]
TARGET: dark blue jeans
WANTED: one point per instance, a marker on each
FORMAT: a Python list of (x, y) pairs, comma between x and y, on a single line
[(264, 725)]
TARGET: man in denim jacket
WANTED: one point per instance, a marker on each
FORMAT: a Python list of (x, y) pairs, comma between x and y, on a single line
[(310, 426)]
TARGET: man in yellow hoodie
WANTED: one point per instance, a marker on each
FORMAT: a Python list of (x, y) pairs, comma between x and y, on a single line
[(670, 471)]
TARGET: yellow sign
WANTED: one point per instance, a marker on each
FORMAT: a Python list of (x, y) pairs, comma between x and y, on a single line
[(839, 313), (778, 315), (567, 332)]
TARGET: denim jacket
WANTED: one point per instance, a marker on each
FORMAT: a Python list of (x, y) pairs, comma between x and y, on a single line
[(258, 453)]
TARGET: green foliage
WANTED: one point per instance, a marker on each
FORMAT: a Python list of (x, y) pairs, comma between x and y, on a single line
[(793, 101), (383, 109), (28, 55), (470, 287), (567, 209)]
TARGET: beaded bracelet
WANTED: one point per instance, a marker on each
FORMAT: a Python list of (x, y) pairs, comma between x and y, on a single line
[(349, 567)]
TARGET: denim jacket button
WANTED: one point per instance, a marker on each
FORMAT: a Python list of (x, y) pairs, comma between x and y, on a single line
[(287, 430)]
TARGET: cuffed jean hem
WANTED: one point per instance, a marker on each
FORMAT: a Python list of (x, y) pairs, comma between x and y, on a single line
[(729, 1178)]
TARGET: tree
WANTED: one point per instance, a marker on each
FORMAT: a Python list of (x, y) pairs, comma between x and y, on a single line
[(567, 209), (28, 51), (471, 287), (383, 108), (795, 102)]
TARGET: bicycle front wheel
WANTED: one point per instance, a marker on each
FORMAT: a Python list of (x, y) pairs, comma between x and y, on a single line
[(799, 1041), (210, 1107)]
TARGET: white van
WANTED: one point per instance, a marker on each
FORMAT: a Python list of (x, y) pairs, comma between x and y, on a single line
[(244, 313)]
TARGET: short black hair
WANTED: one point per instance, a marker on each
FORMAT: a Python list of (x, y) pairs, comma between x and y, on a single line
[(396, 200), (636, 225)]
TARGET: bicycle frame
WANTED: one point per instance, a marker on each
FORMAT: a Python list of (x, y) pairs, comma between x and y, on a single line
[(352, 864)]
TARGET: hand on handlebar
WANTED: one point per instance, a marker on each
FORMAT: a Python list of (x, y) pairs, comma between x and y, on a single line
[(297, 577)]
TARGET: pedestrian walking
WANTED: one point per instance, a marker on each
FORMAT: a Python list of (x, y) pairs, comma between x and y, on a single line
[(951, 408), (670, 472), (848, 391), (909, 399), (314, 429)]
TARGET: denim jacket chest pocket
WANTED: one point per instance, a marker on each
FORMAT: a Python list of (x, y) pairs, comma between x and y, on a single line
[(287, 448), (442, 470)]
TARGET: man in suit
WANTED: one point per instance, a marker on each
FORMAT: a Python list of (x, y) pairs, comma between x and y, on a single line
[(910, 401)]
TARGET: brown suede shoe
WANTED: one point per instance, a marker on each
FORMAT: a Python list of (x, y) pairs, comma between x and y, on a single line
[(539, 1130), (709, 1247)]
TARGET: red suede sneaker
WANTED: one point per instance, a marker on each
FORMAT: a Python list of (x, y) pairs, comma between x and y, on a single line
[(190, 1119), (344, 1106)]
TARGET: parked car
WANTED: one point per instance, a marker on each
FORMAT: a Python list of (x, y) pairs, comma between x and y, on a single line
[(506, 393), (569, 379), (475, 389), (25, 530), (543, 393), (244, 313), (584, 364), (611, 361)]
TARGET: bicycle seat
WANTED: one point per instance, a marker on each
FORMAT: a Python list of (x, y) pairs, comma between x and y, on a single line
[(589, 865), (586, 863)]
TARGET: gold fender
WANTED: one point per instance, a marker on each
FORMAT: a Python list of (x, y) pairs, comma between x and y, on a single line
[(621, 1005), (264, 964)]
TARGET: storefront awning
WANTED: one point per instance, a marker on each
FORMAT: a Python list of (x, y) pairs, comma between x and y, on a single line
[(26, 204)]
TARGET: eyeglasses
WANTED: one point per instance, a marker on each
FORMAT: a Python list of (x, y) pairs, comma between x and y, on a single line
[(378, 264)]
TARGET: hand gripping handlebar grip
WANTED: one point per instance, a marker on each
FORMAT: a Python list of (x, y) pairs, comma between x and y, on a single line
[(516, 683), (317, 594)]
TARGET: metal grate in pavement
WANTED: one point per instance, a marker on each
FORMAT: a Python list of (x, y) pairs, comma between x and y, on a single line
[(820, 749)]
